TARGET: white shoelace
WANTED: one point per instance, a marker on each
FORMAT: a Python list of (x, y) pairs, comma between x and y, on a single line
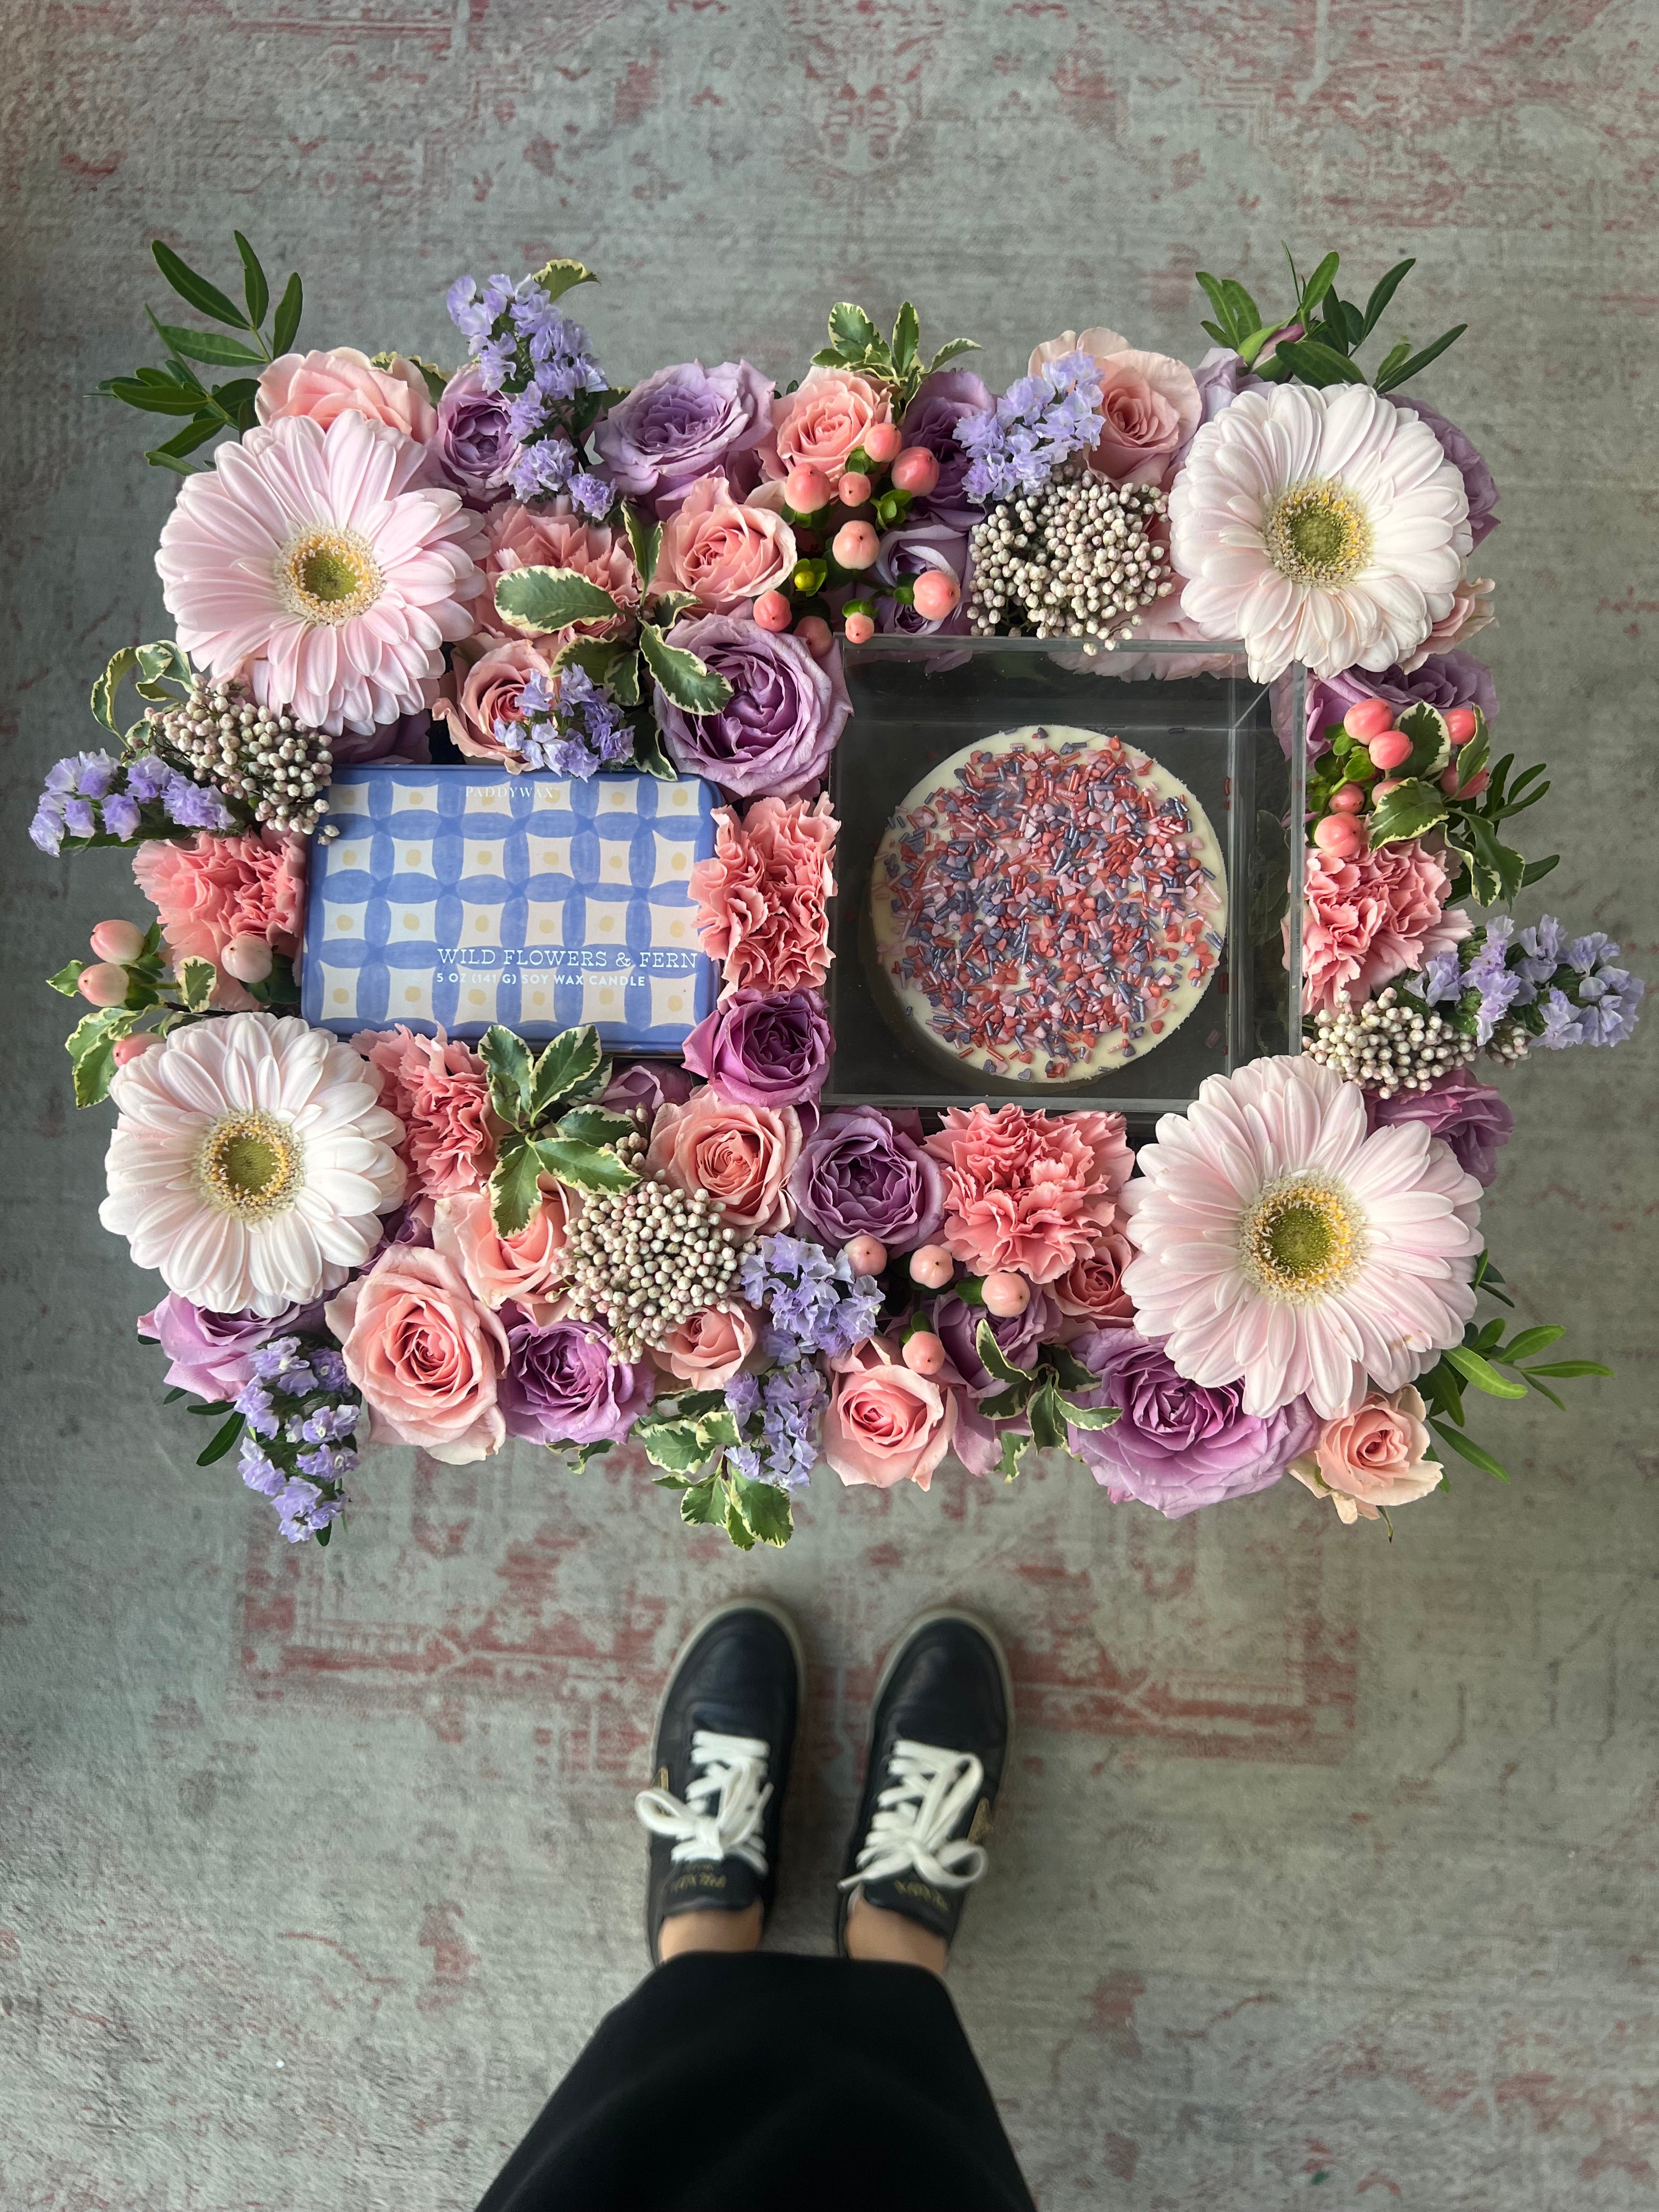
[(731, 1769), (929, 1792)]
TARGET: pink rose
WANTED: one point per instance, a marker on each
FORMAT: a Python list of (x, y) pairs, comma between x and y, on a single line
[(425, 1355), (1091, 1293), (1151, 404), (213, 888), (547, 537), (1367, 920), (763, 896), (1471, 611), (342, 381), (486, 682), (526, 1267), (739, 1154), (884, 1425), (723, 552), (439, 1091), (707, 1350), (1028, 1190), (822, 422), (1373, 1458)]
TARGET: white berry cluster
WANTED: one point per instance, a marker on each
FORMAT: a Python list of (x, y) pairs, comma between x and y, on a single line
[(1076, 559), (277, 768), (1389, 1044), (643, 1260)]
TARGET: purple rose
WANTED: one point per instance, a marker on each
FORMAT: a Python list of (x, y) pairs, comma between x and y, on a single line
[(1018, 1336), (408, 738), (908, 552), (1220, 377), (774, 737), (764, 1048), (941, 401), (1471, 1116), (863, 1173), (1178, 1445), (212, 1353), (685, 422), (563, 1386), (648, 1083), (474, 444), (1444, 680), (1461, 453)]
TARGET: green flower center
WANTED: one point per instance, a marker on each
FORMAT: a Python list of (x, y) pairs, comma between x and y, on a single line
[(326, 576), (1303, 1239), (1318, 533), (250, 1165)]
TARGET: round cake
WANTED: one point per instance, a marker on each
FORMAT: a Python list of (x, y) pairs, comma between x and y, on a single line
[(1048, 905)]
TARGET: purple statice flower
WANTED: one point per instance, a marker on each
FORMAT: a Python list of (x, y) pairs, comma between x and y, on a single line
[(304, 1510), (302, 1413), (789, 1402), (496, 358), (149, 776), (1541, 949), (1586, 953), (195, 806), (1489, 973), (571, 726), (1562, 1026), (1039, 422), (259, 1470), (527, 412), (815, 1303), (592, 494), (46, 830), (253, 1403), (97, 772), (121, 815), (79, 819), (61, 776), (1442, 978)]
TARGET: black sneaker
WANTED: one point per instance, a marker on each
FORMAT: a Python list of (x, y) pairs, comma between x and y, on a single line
[(725, 1735), (940, 1729)]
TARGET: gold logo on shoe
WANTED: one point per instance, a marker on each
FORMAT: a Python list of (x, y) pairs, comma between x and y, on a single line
[(982, 1822)]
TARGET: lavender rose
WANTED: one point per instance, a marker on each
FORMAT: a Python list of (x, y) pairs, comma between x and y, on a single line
[(774, 737), (941, 401), (863, 1173), (1471, 1116), (1465, 457), (1444, 680), (563, 1386), (1018, 1336), (212, 1353), (685, 422), (1178, 1445), (648, 1083), (908, 552), (764, 1048), (474, 443)]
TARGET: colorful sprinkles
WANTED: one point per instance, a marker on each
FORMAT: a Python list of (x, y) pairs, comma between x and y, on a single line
[(1050, 900)]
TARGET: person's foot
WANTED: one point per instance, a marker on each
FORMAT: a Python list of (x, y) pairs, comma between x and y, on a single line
[(725, 1735), (940, 1729)]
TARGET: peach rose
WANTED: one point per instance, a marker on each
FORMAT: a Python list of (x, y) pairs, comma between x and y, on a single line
[(555, 537), (739, 1154), (1091, 1293), (1150, 402), (822, 422), (343, 381), (884, 1425), (723, 552), (526, 1267), (1373, 1458), (439, 1091), (424, 1354), (483, 688), (708, 1349)]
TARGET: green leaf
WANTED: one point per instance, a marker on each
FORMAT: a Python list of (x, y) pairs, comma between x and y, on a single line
[(668, 606), (1317, 364), (1382, 292), (91, 1048), (853, 330), (1390, 362), (1418, 362), (1016, 1442), (536, 599), (207, 298), (736, 1526), (1089, 1416), (515, 1186), (1473, 756), (649, 757), (558, 277), (594, 1125), (565, 1064), (718, 1429), (584, 1166), (645, 536), (155, 662), (672, 1445), (208, 346), (154, 399), (1406, 811), (253, 280), (1010, 1405), (971, 1290), (1425, 727), (994, 1358), (1503, 864), (765, 1509), (703, 1504), (1545, 1391), (221, 1442), (64, 980), (195, 981), (1466, 1448), (907, 336), (950, 350), (1318, 284), (511, 1074), (1535, 870), (109, 683), (286, 327), (1531, 1340), (1559, 1368), (1047, 1422), (696, 1403), (171, 454), (1482, 1374), (683, 676), (1070, 1371)]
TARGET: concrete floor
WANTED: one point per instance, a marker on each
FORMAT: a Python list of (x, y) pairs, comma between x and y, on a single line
[(1327, 1865)]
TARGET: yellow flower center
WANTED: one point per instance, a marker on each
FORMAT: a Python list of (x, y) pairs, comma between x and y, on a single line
[(1318, 533), (1303, 1239), (250, 1165), (329, 575)]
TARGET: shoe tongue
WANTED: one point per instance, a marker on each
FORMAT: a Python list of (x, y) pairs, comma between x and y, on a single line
[(707, 1885), (918, 1899)]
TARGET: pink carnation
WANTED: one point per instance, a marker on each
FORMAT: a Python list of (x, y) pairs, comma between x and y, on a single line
[(821, 421), (763, 897), (725, 553), (342, 381), (214, 889), (542, 538), (742, 1155), (441, 1094), (1367, 920), (483, 688), (1028, 1191)]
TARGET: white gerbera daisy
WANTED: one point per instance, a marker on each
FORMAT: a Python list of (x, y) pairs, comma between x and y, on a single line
[(252, 1163), (325, 560), (1325, 526), (1283, 1247)]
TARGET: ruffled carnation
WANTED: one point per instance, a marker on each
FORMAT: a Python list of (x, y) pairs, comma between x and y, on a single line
[(763, 896), (821, 421), (425, 1356), (724, 553), (1369, 919), (739, 1154), (344, 382), (213, 888), (550, 538), (439, 1092), (1027, 1190), (774, 737), (525, 1268)]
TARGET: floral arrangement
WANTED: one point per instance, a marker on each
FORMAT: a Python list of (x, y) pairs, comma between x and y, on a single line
[(399, 1238)]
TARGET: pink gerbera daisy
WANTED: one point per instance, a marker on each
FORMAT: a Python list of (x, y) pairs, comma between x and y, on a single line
[(1283, 1247), (318, 559)]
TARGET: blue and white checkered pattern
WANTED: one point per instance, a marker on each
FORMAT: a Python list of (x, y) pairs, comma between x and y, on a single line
[(463, 897)]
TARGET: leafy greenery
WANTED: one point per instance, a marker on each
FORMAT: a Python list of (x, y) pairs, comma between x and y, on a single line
[(1039, 1396), (576, 1145), (1333, 330), (857, 344), (175, 389), (689, 1438), (1485, 1362)]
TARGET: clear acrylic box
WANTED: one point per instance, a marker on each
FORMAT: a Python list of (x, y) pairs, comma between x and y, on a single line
[(918, 700)]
